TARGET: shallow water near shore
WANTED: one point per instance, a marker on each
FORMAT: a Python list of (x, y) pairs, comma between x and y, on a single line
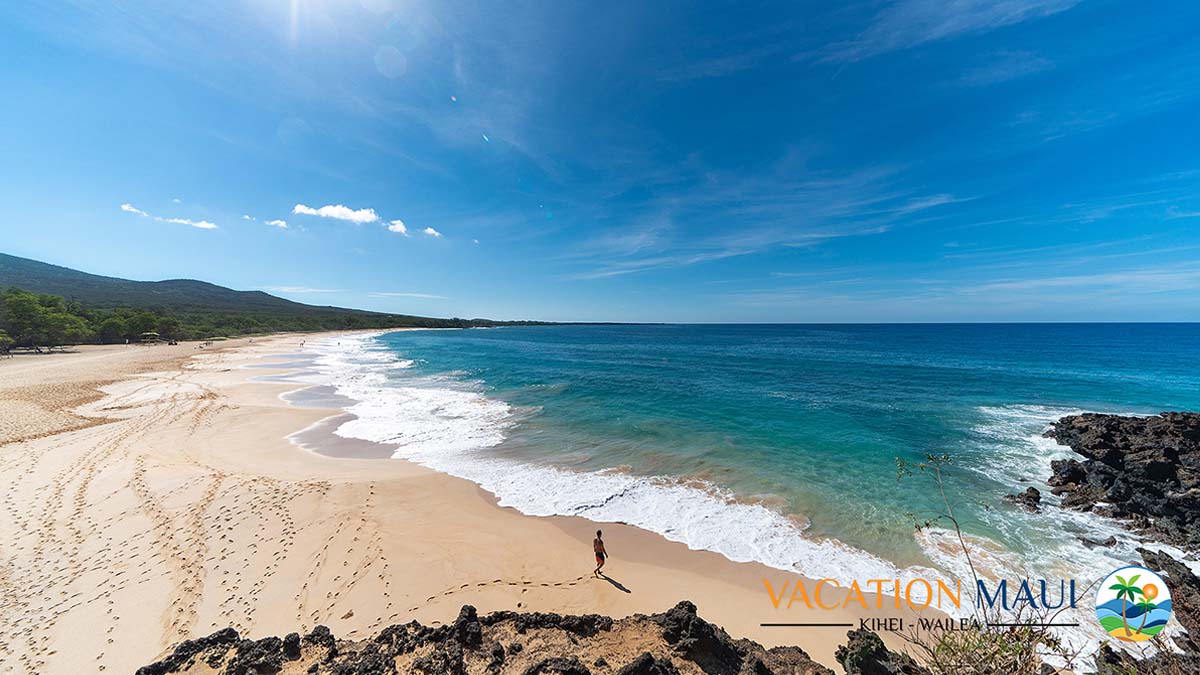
[(771, 443)]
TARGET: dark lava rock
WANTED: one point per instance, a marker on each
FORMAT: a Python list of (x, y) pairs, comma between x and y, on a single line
[(256, 657), (1092, 543), (471, 644), (291, 646), (467, 628), (755, 666), (700, 641), (865, 654), (367, 662), (448, 658), (1145, 470), (646, 664), (1185, 600), (1110, 661), (558, 666), (187, 650), (586, 625), (1185, 597), (1030, 499), (790, 659), (321, 638)]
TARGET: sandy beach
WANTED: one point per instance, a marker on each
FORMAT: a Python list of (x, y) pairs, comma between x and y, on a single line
[(153, 496)]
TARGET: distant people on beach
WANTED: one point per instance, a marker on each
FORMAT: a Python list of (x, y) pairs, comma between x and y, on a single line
[(601, 554)]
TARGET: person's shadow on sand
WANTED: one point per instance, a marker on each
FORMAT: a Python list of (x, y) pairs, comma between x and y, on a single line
[(618, 585)]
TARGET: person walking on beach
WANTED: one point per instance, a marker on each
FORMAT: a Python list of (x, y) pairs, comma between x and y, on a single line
[(601, 554)]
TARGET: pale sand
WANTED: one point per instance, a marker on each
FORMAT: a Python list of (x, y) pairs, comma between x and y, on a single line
[(187, 510)]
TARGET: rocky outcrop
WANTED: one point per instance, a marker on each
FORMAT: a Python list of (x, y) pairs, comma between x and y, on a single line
[(1030, 499), (676, 642), (1185, 597), (865, 654), (1143, 470)]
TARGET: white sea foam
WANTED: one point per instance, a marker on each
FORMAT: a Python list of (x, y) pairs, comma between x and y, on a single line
[(1052, 542), (448, 425)]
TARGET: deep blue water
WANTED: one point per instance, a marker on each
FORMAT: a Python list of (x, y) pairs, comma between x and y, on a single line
[(809, 419)]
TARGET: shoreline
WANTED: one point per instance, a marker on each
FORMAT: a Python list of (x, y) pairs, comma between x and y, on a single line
[(187, 509)]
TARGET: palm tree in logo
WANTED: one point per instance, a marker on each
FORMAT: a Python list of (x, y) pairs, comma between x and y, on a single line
[(1127, 592), (1149, 592)]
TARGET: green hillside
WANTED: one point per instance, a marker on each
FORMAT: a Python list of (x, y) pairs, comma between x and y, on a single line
[(113, 309)]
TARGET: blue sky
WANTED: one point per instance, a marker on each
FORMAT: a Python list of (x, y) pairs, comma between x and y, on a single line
[(917, 160)]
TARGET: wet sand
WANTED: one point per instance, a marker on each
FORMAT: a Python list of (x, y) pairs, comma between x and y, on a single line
[(153, 496)]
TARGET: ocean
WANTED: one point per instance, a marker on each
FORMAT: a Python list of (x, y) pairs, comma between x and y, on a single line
[(773, 443)]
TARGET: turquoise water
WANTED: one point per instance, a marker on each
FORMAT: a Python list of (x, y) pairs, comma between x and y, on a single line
[(775, 444), (809, 420)]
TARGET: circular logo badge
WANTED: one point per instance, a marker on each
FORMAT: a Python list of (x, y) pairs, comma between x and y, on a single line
[(1133, 604)]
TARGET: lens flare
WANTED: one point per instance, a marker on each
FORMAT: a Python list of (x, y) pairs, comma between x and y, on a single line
[(390, 62)]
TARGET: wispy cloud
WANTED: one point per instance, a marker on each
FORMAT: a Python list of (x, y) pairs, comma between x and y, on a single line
[(929, 202), (431, 232), (299, 289), (338, 212), (201, 224), (736, 214), (397, 294), (1003, 67), (398, 227), (1158, 279), (281, 224), (908, 23), (1176, 212)]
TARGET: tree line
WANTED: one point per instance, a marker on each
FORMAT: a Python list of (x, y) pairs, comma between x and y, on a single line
[(41, 320), (36, 320)]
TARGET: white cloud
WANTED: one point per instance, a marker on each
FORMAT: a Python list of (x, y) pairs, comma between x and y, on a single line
[(202, 224), (399, 227), (475, 240), (431, 232), (338, 212), (245, 217), (281, 224), (177, 200)]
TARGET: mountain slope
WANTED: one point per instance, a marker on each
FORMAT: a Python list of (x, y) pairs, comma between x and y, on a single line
[(101, 292), (197, 308)]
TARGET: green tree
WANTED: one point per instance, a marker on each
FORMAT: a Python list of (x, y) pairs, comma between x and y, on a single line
[(112, 329), (142, 322), (5, 342), (63, 328), (169, 327), (24, 316), (1145, 605), (1127, 592)]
